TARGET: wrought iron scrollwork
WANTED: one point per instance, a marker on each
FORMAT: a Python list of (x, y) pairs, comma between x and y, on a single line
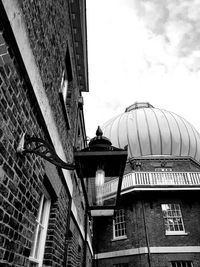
[(42, 148)]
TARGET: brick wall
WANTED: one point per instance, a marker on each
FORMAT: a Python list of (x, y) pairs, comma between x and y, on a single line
[(48, 26), (161, 260), (136, 233), (23, 177), (144, 221), (19, 192), (137, 261), (164, 260), (190, 209), (75, 247), (78, 199)]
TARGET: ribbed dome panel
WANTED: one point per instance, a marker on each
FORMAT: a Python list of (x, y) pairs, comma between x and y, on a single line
[(133, 143), (143, 133), (150, 131), (154, 132)]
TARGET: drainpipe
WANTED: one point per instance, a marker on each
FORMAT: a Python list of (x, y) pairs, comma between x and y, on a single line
[(85, 241), (146, 234)]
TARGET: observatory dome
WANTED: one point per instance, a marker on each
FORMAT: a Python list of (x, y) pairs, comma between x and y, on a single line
[(151, 131)]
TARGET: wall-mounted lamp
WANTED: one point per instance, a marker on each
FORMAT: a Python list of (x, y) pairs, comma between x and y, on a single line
[(100, 166)]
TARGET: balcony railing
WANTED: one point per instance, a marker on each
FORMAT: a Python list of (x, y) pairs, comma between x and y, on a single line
[(152, 180)]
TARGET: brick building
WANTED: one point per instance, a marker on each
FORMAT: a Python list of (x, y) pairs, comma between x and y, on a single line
[(43, 72), (158, 220)]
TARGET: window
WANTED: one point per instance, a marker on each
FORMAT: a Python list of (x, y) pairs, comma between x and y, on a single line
[(182, 264), (37, 249), (173, 219), (67, 77), (65, 89), (119, 224), (64, 86), (80, 142)]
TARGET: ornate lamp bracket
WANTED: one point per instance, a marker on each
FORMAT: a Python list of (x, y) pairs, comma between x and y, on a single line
[(42, 148)]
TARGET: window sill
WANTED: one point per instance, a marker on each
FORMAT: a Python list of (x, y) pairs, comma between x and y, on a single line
[(33, 260), (175, 233), (119, 238)]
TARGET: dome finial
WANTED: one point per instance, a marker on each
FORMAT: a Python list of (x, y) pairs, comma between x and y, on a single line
[(99, 132), (138, 105)]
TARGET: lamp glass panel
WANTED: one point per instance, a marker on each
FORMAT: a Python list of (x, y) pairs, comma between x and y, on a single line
[(102, 190)]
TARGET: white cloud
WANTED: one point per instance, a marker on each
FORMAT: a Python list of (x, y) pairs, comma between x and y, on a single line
[(177, 22), (142, 50)]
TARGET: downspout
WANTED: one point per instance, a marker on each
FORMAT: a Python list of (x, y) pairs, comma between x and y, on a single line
[(146, 234), (85, 241)]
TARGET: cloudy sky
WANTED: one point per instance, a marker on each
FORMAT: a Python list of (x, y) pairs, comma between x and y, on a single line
[(142, 50)]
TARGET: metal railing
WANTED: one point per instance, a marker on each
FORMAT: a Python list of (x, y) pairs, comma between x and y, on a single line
[(153, 179)]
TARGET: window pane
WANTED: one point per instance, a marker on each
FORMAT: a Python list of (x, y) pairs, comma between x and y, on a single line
[(43, 211), (33, 264), (176, 228), (119, 224), (34, 241), (38, 242), (37, 248), (181, 264), (181, 227), (172, 217)]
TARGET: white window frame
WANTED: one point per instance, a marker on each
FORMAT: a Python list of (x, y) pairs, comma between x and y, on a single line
[(182, 264), (67, 77), (63, 97), (173, 219), (37, 250), (119, 222)]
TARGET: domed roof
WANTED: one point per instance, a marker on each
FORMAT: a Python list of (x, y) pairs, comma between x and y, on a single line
[(152, 131)]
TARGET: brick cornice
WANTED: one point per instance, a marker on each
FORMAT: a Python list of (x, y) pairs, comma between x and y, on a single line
[(77, 14)]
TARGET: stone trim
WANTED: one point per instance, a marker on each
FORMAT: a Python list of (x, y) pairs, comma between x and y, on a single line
[(144, 250)]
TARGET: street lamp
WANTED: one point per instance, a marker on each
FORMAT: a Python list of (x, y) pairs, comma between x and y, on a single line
[(100, 166)]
